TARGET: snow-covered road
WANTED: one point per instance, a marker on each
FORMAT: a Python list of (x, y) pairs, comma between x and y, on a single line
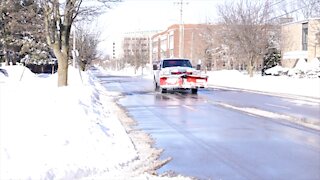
[(240, 134)]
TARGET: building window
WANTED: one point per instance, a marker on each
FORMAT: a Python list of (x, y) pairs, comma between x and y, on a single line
[(305, 36)]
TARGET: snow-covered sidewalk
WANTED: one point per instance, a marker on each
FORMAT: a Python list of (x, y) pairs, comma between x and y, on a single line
[(70, 132)]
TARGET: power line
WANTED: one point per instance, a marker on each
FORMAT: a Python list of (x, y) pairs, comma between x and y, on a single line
[(295, 10), (277, 3)]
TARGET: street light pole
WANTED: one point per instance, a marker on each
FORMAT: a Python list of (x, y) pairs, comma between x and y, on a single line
[(181, 29)]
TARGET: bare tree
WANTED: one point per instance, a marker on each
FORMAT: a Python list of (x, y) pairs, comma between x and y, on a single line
[(141, 53), (59, 17), (86, 43), (127, 54), (245, 29), (207, 36), (309, 8), (136, 51), (215, 51), (299, 10)]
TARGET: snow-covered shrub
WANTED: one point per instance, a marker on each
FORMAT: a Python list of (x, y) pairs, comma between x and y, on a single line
[(302, 69), (276, 71), (271, 59), (306, 69)]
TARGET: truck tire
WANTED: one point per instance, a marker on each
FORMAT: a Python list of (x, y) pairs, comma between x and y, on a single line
[(163, 90), (155, 84), (194, 90)]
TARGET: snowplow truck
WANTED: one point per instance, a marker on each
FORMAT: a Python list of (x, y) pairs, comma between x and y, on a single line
[(178, 74)]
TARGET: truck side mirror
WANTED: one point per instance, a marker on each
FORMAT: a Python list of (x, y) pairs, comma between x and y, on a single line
[(155, 67), (198, 67)]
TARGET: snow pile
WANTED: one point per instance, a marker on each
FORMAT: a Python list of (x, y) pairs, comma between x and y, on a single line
[(276, 71), (60, 133), (16, 74), (306, 69), (302, 69)]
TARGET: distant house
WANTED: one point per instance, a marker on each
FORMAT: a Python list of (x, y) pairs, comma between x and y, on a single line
[(300, 40)]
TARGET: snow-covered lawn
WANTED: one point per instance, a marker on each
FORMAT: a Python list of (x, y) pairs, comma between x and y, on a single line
[(70, 132), (284, 85)]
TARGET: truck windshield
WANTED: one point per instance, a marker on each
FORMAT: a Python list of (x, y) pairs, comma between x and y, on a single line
[(176, 62)]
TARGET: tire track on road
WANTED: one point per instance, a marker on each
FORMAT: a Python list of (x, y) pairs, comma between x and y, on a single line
[(222, 154)]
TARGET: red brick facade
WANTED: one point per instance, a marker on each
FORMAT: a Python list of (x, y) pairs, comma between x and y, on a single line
[(166, 44)]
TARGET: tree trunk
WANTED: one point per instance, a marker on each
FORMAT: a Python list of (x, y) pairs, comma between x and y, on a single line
[(250, 68), (62, 66), (63, 71), (6, 55)]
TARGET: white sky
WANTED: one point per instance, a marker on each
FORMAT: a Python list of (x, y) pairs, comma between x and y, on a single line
[(143, 15)]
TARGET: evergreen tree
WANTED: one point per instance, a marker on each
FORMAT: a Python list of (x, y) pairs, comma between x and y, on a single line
[(22, 30), (271, 58)]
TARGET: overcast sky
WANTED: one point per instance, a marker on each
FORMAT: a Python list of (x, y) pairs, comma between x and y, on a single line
[(143, 15)]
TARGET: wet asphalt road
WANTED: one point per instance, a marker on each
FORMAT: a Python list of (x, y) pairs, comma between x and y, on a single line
[(208, 141)]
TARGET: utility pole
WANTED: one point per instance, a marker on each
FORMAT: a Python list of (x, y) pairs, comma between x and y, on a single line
[(181, 29), (74, 50)]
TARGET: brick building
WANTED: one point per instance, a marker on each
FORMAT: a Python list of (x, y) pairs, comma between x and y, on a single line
[(167, 43)]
